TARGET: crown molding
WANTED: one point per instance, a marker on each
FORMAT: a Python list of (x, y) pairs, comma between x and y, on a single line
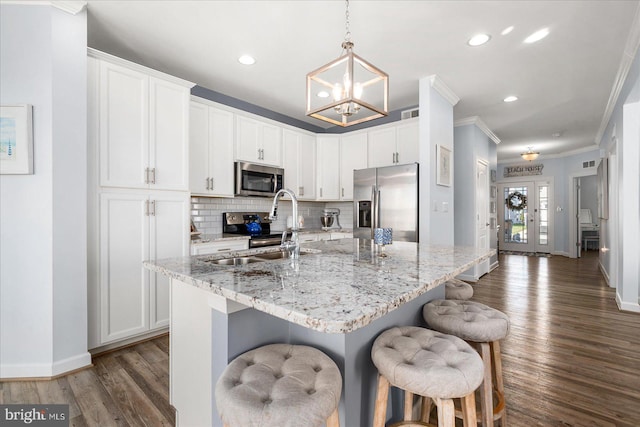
[(475, 120), (443, 89), (97, 54), (554, 156), (72, 7), (629, 54)]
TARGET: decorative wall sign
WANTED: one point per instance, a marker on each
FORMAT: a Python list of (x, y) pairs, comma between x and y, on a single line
[(16, 140), (443, 166), (523, 170)]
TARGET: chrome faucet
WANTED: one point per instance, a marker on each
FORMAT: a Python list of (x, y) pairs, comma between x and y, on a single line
[(293, 244)]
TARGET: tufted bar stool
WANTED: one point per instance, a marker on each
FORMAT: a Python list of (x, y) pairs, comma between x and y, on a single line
[(280, 385), (457, 289), (430, 364), (484, 326)]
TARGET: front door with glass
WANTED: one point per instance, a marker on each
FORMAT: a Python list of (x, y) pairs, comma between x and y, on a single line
[(525, 218)]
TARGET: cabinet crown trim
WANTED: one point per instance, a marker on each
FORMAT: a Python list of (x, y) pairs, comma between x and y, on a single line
[(97, 54)]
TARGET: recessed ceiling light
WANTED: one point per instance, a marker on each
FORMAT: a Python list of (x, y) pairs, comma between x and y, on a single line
[(507, 30), (537, 36), (323, 94), (247, 60), (511, 98), (479, 39)]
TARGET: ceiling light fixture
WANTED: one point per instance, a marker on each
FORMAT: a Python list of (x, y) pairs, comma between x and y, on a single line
[(537, 36), (530, 155), (349, 105), (510, 98), (507, 30), (247, 60), (479, 39)]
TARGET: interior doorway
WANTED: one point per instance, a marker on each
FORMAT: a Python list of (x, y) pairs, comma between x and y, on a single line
[(587, 224), (527, 223)]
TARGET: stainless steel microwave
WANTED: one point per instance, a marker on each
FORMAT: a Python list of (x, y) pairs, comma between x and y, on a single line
[(258, 180)]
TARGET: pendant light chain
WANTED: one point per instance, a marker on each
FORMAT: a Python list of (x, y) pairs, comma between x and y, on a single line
[(347, 34)]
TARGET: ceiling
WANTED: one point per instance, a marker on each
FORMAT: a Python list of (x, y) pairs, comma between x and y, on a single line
[(563, 82)]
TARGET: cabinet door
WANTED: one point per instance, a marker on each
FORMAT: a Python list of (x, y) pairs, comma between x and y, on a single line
[(353, 155), (247, 139), (169, 237), (124, 138), (271, 144), (290, 147), (307, 167), (169, 135), (221, 152), (381, 147), (199, 148), (124, 244), (328, 161), (407, 141)]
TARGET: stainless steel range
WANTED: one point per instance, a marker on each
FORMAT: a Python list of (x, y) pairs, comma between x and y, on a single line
[(254, 224)]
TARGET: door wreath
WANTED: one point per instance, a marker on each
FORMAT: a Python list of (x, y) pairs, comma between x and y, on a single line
[(516, 201)]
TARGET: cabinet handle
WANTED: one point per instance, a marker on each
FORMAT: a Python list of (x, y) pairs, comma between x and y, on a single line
[(224, 249), (397, 157), (153, 176), (152, 211), (320, 191), (146, 175), (207, 180), (343, 192), (146, 208), (301, 191), (212, 186)]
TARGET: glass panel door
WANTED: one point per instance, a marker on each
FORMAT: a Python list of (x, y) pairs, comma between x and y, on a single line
[(526, 223)]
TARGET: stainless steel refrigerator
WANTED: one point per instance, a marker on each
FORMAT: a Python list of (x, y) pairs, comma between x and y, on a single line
[(386, 197)]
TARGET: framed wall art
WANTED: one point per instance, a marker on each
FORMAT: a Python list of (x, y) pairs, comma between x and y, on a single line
[(16, 139), (444, 174), (494, 192)]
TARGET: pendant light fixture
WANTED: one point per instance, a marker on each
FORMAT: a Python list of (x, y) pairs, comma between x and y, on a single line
[(359, 91), (530, 155)]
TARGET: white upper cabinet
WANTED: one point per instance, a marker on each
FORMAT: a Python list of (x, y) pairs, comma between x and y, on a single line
[(210, 150), (328, 161), (393, 145), (143, 129), (299, 151), (353, 155), (258, 142)]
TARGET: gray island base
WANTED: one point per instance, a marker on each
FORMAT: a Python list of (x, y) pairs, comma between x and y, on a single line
[(338, 297)]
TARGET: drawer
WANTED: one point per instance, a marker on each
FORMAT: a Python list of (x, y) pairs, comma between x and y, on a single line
[(219, 246)]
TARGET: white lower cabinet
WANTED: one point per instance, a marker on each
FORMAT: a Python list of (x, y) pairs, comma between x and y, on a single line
[(134, 227), (219, 246)]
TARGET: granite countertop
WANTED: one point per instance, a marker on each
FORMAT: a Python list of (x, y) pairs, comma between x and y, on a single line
[(337, 286)]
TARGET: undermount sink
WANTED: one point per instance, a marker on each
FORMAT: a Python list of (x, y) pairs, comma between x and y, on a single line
[(242, 260), (235, 260)]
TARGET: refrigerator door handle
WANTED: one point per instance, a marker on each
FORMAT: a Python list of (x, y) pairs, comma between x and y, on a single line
[(375, 209)]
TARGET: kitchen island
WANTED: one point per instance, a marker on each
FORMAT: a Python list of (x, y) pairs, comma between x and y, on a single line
[(337, 297)]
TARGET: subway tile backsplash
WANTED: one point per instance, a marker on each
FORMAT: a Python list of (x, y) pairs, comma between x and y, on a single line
[(206, 212)]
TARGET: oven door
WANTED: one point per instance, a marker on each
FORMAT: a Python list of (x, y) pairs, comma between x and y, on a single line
[(258, 180)]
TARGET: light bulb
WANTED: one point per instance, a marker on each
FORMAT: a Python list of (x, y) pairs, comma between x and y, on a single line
[(337, 92), (357, 90)]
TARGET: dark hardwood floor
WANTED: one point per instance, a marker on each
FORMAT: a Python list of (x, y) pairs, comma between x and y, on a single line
[(571, 359)]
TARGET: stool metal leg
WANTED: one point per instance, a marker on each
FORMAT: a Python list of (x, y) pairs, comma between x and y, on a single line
[(486, 389), (380, 411)]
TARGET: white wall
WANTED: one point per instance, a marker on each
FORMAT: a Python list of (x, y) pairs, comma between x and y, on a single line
[(626, 144), (43, 328), (436, 127)]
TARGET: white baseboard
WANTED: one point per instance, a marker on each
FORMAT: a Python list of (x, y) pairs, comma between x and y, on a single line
[(45, 370), (605, 274), (494, 266), (627, 306), (562, 253)]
